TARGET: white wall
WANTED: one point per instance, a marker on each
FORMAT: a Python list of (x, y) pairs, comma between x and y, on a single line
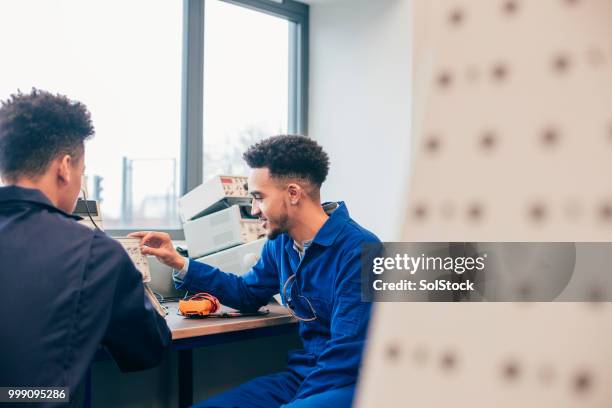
[(360, 105)]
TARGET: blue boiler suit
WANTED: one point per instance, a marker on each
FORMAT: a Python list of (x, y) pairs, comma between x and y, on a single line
[(329, 276)]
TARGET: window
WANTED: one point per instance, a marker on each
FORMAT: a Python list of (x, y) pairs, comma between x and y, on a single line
[(130, 79), (246, 83), (164, 117)]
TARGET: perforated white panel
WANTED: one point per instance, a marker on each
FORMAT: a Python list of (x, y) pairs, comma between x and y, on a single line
[(513, 137), (512, 142)]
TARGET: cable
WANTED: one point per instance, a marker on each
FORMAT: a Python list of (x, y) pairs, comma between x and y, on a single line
[(89, 212), (159, 296)]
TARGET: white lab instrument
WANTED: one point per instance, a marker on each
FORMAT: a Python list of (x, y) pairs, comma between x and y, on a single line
[(220, 230), (237, 260), (215, 194), (132, 247)]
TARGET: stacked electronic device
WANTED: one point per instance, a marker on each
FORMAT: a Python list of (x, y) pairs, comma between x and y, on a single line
[(218, 225)]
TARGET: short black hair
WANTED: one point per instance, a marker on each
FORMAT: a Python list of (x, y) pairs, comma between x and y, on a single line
[(38, 127), (290, 156)]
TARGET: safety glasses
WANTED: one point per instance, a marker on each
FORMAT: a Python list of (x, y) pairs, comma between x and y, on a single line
[(299, 306)]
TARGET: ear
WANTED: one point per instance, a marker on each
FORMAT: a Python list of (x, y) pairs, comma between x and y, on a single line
[(295, 193), (63, 168)]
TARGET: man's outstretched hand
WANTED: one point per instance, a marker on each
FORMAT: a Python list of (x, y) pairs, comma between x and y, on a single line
[(159, 245)]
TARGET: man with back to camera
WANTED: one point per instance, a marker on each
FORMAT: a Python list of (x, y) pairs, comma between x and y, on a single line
[(312, 258), (65, 288)]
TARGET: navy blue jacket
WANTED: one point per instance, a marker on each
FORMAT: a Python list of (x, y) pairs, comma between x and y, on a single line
[(64, 290), (329, 276)]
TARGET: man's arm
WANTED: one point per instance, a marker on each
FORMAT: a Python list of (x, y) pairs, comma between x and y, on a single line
[(247, 293), (136, 335), (338, 364)]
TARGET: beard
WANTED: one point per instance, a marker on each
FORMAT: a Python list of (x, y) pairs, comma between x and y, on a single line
[(281, 226)]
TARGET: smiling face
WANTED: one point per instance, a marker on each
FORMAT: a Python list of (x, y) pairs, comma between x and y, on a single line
[(270, 202)]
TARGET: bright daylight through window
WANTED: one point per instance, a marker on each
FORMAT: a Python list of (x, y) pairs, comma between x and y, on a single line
[(123, 60), (130, 79), (246, 84)]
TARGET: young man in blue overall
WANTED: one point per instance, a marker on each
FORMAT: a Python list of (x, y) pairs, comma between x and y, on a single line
[(312, 258)]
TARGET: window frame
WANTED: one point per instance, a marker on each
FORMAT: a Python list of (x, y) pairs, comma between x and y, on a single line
[(192, 84)]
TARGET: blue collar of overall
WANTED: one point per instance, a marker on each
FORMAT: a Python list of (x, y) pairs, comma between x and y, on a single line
[(326, 236), (14, 194)]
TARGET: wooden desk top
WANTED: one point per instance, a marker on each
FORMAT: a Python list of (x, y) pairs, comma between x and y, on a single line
[(183, 327)]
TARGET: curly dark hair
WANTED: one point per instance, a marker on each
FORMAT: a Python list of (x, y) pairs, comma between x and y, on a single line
[(38, 127), (290, 156)]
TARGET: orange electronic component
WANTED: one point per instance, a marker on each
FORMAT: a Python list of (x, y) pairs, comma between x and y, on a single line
[(200, 304)]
